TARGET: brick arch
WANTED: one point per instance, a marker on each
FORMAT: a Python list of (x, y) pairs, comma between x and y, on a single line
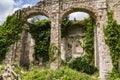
[(91, 11)]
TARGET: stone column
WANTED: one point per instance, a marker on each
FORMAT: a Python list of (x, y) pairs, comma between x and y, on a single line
[(56, 40), (74, 42), (105, 63), (96, 54), (27, 48), (63, 49)]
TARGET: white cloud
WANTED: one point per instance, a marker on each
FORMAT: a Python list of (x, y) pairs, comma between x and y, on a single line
[(6, 7), (78, 15), (26, 5)]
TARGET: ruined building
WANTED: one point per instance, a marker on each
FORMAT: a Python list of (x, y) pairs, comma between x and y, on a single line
[(56, 10)]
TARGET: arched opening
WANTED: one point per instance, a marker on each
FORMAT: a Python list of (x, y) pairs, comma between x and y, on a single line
[(35, 50), (77, 40)]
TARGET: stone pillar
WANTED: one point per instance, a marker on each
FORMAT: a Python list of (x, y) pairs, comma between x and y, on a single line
[(56, 40), (63, 49), (74, 47), (27, 48), (31, 44), (105, 63), (96, 53), (22, 50), (9, 55)]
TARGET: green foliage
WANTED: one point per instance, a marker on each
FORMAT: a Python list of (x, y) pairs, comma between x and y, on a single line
[(86, 63), (112, 39), (40, 31), (17, 69), (89, 40), (65, 24), (81, 64), (9, 33), (63, 73), (52, 54), (87, 25)]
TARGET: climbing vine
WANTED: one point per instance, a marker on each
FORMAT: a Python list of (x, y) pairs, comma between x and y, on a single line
[(54, 53), (9, 33), (65, 24), (40, 31), (87, 25), (89, 40), (112, 39)]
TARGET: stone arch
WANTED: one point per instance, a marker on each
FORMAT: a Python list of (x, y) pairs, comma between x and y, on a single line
[(27, 42), (55, 10), (31, 12), (93, 12)]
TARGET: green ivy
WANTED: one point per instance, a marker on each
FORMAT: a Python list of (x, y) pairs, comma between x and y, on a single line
[(87, 25), (40, 32), (89, 40), (65, 24), (82, 65), (86, 62), (9, 33), (52, 54), (112, 39)]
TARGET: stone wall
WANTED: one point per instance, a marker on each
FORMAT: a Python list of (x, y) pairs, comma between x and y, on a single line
[(115, 6), (21, 51), (71, 47), (56, 10)]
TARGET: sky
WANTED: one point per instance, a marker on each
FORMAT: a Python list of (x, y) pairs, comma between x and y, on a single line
[(8, 7)]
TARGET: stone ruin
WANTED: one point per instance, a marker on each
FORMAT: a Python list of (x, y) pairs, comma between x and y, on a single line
[(72, 44), (56, 10)]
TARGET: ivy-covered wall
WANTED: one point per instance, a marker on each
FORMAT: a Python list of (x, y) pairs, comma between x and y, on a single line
[(87, 25), (9, 33), (86, 63), (112, 39), (40, 32)]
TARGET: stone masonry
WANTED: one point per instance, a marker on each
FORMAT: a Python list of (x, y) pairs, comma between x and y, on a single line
[(72, 44), (56, 10)]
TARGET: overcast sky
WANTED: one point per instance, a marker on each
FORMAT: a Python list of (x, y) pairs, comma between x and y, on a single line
[(8, 7)]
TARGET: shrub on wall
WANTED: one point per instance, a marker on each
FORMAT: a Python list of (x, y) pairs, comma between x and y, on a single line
[(89, 40), (9, 33), (87, 25), (40, 32), (112, 39)]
